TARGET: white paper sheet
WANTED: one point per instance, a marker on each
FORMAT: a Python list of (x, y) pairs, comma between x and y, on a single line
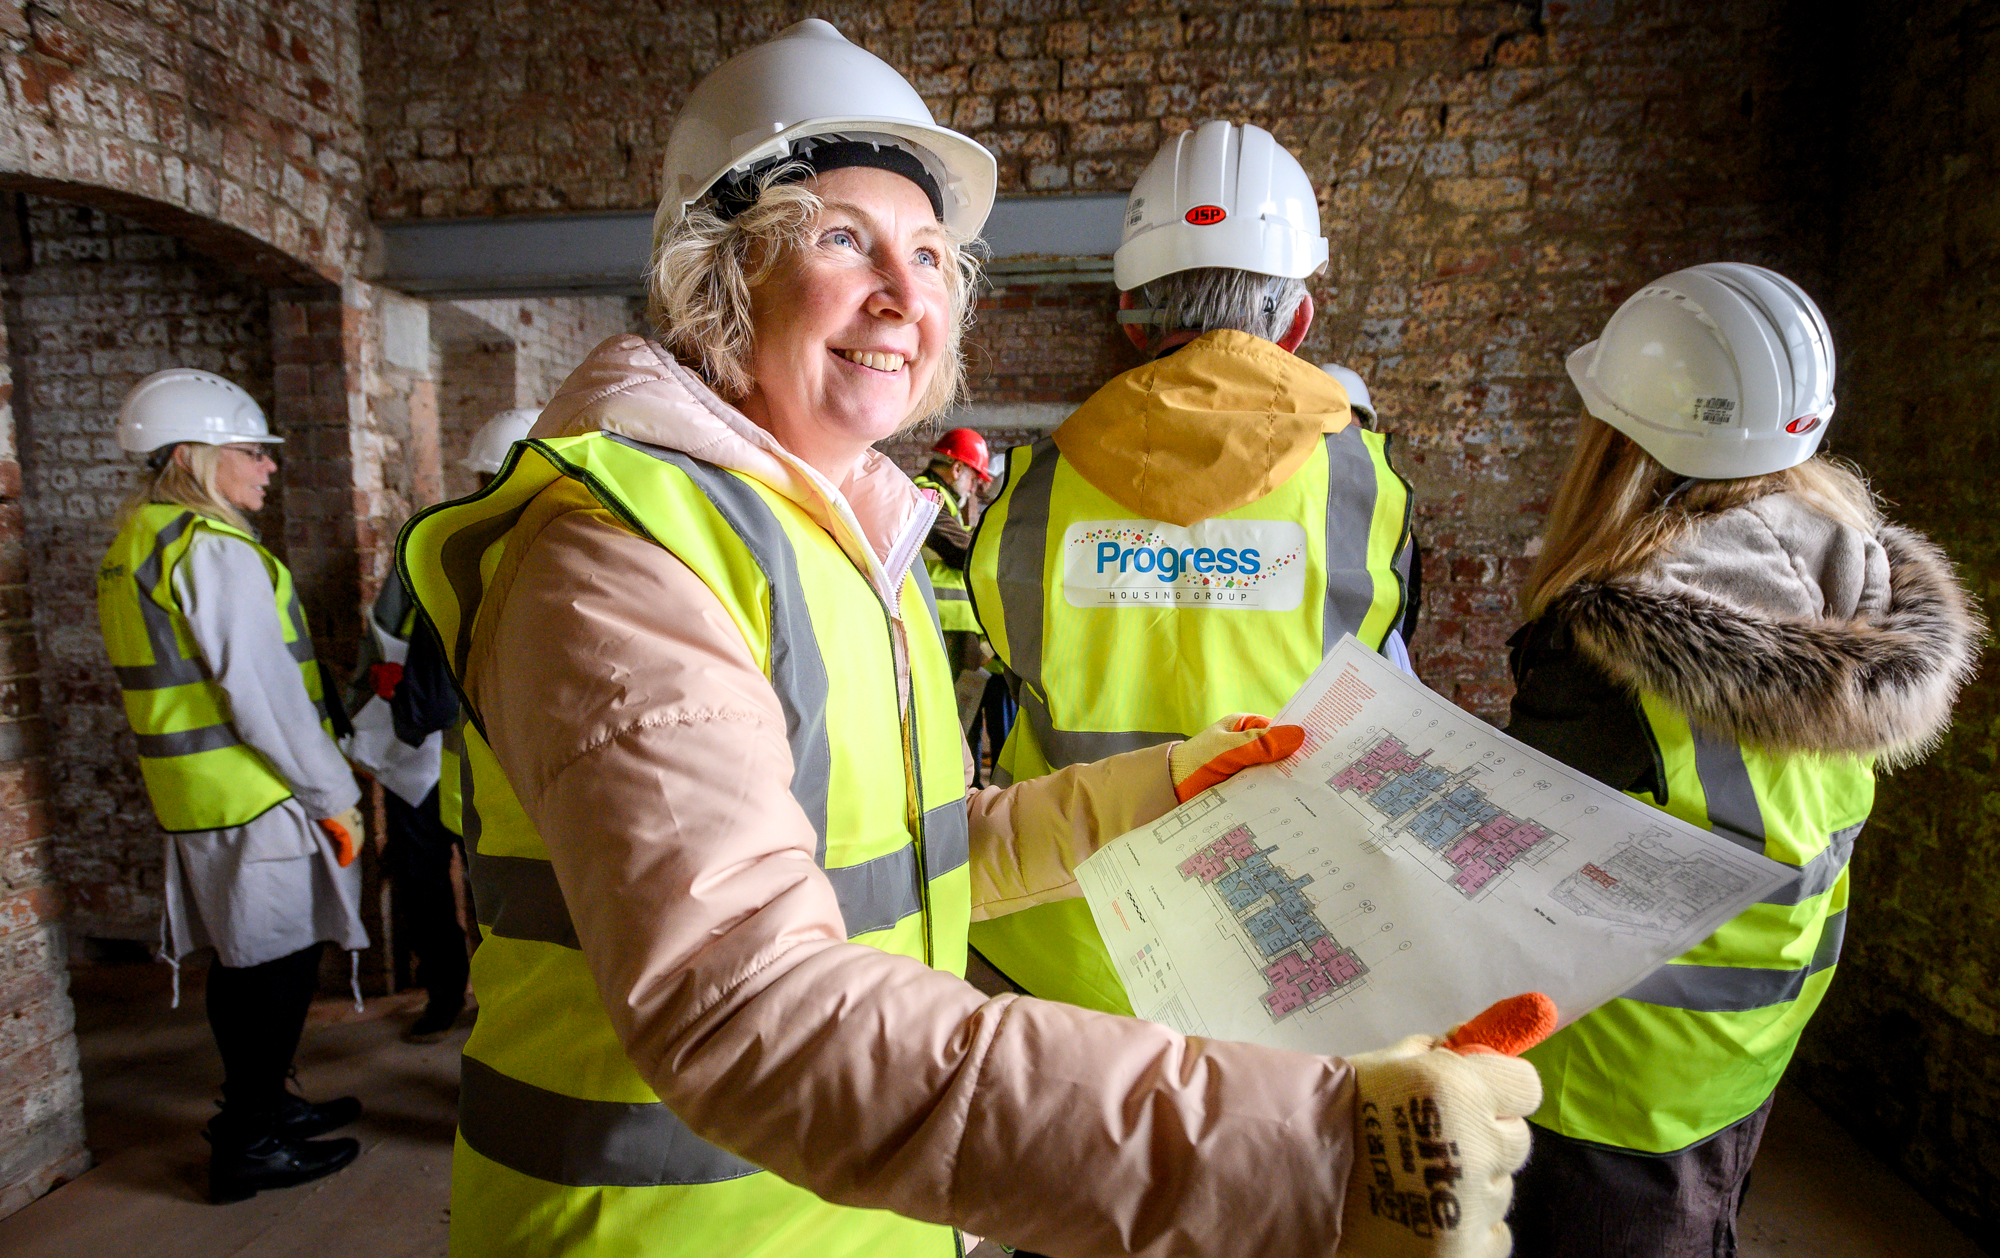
[(1406, 868)]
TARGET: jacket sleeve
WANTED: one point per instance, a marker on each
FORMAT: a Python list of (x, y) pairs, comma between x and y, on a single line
[(232, 612), (650, 753), (1028, 839), (423, 702), (1567, 709)]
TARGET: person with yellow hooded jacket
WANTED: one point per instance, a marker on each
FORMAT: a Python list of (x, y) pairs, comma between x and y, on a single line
[(224, 693), (1201, 531)]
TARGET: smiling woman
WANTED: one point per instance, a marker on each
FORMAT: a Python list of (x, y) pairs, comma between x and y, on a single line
[(852, 263), (716, 793)]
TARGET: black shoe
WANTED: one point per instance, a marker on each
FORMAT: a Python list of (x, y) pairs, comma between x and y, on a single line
[(299, 1119), (434, 1023), (239, 1172)]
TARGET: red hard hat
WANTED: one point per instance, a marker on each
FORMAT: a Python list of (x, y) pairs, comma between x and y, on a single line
[(968, 447)]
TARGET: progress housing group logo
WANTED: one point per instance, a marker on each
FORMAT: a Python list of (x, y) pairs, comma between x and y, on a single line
[(1244, 565)]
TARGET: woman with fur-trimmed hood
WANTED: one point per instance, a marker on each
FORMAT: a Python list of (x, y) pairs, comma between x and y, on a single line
[(1720, 622)]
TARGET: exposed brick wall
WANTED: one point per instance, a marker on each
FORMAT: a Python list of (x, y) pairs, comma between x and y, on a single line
[(101, 304), (1045, 342), (1494, 176), (494, 355), (551, 335), (41, 1087), (1907, 1046), (473, 362), (230, 121)]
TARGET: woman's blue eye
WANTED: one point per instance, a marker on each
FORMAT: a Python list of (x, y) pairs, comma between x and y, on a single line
[(841, 236), (928, 257)]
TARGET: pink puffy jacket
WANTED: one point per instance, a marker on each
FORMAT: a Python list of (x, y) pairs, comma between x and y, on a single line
[(610, 678)]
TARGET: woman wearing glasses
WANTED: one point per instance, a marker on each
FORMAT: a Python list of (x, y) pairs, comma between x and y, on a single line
[(210, 645)]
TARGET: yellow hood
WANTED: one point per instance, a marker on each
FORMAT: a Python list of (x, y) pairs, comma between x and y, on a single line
[(1221, 421)]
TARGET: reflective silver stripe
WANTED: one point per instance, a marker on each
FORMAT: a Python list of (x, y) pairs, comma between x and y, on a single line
[(169, 666), (187, 742), (951, 593), (1819, 874), (1024, 542), (947, 839), (798, 673), (924, 587), (583, 1144), (1733, 989), (878, 893), (1020, 576), (517, 897), (1350, 518), (1733, 812), (1065, 747)]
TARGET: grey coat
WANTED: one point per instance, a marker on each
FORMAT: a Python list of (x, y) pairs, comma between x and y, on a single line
[(263, 890)]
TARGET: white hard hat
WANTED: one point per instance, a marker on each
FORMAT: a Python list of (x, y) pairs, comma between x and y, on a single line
[(810, 83), (1220, 195), (1718, 371), (497, 436), (1356, 388), (183, 404)]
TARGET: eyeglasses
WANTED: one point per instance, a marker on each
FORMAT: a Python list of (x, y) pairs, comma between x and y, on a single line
[(257, 452)]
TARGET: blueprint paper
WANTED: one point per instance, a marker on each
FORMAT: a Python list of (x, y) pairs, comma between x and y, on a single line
[(1408, 866)]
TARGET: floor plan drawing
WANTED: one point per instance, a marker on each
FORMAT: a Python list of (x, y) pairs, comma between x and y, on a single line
[(1300, 958), (1645, 884), (1449, 813), (1405, 868)]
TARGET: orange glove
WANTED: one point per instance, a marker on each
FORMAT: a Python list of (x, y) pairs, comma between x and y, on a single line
[(1226, 748), (1509, 1027), (344, 832)]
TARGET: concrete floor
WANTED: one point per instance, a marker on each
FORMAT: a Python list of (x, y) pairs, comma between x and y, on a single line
[(150, 1075)]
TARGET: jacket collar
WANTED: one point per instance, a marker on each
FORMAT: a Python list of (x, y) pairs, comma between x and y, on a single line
[(1220, 422), (1881, 683), (631, 386)]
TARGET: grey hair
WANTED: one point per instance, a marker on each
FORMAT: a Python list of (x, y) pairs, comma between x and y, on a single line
[(1210, 298), (705, 266)]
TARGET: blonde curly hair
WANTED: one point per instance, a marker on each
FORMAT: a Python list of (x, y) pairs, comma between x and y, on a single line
[(705, 266)]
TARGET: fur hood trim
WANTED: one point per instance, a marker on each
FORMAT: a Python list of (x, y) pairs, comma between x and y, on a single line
[(1882, 687)]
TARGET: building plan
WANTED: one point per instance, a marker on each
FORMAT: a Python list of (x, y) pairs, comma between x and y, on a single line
[(1408, 866)]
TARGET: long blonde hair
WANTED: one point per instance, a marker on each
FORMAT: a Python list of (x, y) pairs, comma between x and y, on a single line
[(704, 266), (1617, 508), (192, 486)]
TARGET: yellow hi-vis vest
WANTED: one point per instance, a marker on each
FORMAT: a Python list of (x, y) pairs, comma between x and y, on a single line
[(198, 773), (947, 583), (1701, 1042), (562, 1147), (1119, 633)]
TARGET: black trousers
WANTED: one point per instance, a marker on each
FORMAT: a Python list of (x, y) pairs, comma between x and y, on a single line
[(418, 858), (1575, 1199), (256, 1013)]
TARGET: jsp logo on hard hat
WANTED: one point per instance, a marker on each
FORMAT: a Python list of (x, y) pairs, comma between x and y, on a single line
[(1246, 565), (1206, 215)]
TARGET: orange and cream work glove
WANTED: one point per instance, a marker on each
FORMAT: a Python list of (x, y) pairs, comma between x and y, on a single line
[(1226, 748), (344, 832), (1441, 1127)]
